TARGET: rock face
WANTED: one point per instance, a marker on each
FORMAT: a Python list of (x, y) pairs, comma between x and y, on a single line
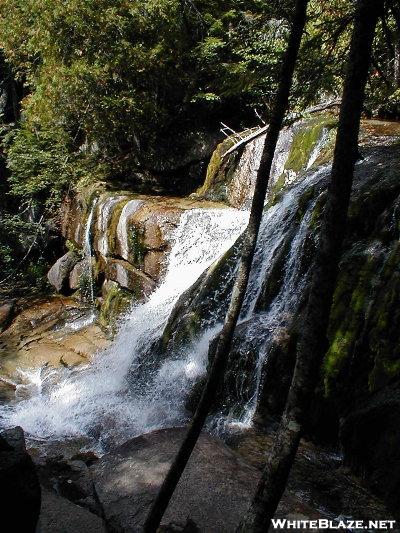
[(49, 333), (128, 235), (19, 484), (214, 491), (59, 273), (6, 314), (59, 515), (363, 359), (370, 438), (231, 177)]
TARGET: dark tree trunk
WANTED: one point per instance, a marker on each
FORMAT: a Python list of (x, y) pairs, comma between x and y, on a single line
[(313, 341), (396, 68), (249, 243), (11, 92)]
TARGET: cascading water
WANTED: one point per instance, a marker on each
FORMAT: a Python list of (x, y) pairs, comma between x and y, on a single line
[(324, 137), (103, 402), (131, 388), (87, 274), (104, 212), (285, 227), (122, 229), (266, 324)]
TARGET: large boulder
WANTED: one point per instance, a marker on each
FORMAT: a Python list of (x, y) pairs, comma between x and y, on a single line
[(20, 493), (370, 437), (59, 273), (129, 278), (6, 314), (214, 491), (59, 515)]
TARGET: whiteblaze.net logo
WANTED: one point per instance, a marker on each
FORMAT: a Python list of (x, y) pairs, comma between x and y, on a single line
[(350, 525)]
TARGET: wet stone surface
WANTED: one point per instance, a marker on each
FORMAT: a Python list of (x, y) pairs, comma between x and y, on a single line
[(50, 333)]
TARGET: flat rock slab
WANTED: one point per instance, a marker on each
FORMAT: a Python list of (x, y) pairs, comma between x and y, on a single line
[(214, 491), (59, 515)]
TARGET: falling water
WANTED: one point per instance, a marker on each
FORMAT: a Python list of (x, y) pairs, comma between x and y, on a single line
[(104, 212), (260, 323), (122, 229), (87, 274), (104, 402), (315, 152), (128, 389)]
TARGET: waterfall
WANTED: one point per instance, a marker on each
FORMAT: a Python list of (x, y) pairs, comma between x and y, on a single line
[(265, 325), (122, 229), (103, 403), (131, 387), (315, 152), (103, 217), (87, 274), (285, 229)]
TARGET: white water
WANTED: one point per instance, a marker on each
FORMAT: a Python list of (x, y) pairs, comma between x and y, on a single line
[(127, 390), (104, 212), (264, 326), (112, 399), (318, 147), (122, 229), (87, 256)]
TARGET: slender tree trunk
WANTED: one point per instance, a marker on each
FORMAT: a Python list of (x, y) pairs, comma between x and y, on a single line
[(396, 68), (249, 243), (313, 342)]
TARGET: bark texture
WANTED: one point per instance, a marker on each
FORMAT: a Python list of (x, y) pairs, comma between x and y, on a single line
[(249, 243), (313, 342)]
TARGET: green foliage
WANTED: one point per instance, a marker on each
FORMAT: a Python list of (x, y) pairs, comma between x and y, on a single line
[(16, 237), (115, 78), (111, 85), (117, 73), (40, 164)]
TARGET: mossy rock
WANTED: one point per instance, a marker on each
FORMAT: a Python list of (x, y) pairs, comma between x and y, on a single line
[(305, 140), (275, 193), (116, 302), (137, 249), (202, 302), (112, 225)]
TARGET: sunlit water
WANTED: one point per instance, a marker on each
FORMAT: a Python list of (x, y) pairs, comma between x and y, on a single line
[(104, 402), (127, 390)]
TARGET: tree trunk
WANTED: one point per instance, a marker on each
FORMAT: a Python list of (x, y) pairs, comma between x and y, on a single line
[(313, 342), (249, 243), (396, 67)]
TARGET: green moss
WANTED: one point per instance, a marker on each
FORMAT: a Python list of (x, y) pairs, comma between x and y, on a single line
[(350, 303), (317, 213), (276, 191), (392, 368), (72, 247), (137, 249), (326, 154), (364, 331), (384, 336), (219, 173), (113, 223), (303, 202), (305, 140), (116, 302), (212, 171)]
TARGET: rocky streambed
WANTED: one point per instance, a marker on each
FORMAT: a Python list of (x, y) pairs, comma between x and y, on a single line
[(85, 493), (46, 333)]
